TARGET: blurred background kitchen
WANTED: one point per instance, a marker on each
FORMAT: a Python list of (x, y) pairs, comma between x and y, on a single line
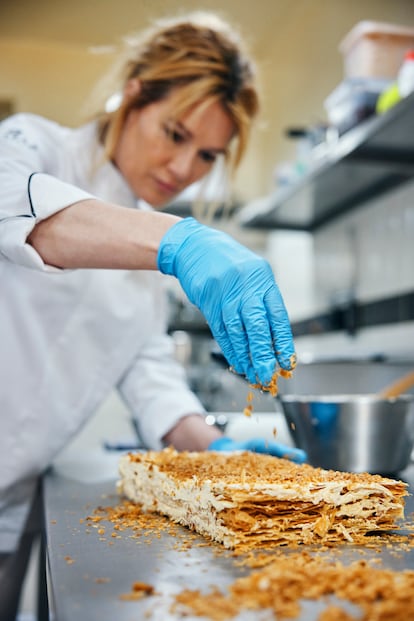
[(326, 191)]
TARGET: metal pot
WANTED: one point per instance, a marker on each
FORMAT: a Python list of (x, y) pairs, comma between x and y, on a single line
[(354, 433)]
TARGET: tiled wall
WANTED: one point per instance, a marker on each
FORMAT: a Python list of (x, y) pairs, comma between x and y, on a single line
[(291, 255), (365, 255), (368, 253)]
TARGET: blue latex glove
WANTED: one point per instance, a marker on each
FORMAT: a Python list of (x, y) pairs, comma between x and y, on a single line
[(235, 290), (259, 445)]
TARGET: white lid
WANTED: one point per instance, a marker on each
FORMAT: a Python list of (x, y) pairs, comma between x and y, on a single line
[(368, 28)]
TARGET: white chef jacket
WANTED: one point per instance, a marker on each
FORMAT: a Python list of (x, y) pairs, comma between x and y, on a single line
[(68, 337)]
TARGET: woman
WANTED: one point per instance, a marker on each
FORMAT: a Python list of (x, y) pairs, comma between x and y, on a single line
[(68, 200)]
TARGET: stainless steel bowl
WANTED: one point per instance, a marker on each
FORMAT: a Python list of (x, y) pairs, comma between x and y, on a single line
[(354, 433)]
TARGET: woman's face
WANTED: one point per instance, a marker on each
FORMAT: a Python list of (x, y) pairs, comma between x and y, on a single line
[(159, 157)]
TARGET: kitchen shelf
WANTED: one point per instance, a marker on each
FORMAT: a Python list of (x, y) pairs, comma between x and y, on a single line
[(367, 161)]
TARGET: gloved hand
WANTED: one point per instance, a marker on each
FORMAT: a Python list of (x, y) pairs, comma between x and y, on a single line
[(235, 290), (259, 445)]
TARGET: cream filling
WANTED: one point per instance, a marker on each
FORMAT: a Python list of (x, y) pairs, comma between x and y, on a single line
[(187, 504), (198, 505)]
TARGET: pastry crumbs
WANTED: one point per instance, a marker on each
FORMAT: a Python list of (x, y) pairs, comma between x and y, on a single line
[(380, 594), (138, 591), (278, 582)]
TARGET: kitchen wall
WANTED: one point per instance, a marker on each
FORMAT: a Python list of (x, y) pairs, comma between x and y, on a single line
[(365, 256), (368, 254), (53, 80)]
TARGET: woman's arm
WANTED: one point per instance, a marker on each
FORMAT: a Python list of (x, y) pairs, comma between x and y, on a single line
[(192, 433), (95, 234), (233, 287)]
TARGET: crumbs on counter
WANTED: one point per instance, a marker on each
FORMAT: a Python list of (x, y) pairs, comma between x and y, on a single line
[(129, 519), (380, 594), (138, 591), (277, 581)]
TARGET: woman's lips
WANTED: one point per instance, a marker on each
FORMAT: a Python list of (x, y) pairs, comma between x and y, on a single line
[(167, 188)]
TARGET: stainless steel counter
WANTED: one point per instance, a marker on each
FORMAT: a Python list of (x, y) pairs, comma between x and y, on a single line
[(88, 573)]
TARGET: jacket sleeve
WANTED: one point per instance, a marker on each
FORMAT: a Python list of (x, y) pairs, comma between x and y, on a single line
[(155, 387), (155, 390), (28, 192)]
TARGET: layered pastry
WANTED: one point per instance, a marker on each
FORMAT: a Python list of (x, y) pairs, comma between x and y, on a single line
[(248, 500)]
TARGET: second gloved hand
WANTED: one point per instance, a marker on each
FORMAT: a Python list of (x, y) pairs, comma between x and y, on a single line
[(259, 445), (235, 290)]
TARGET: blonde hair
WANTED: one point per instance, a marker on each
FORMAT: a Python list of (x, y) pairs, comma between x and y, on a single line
[(199, 57)]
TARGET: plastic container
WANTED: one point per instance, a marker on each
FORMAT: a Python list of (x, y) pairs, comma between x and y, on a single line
[(375, 49), (405, 78), (353, 101)]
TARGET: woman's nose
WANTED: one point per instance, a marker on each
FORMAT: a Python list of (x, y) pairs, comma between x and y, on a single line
[(182, 164)]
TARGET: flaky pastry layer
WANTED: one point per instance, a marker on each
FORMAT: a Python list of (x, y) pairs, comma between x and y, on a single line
[(252, 500)]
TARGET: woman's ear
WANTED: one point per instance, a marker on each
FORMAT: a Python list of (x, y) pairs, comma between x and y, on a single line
[(132, 88)]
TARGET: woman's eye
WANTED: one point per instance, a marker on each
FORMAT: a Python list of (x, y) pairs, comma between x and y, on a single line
[(173, 134), (176, 136), (208, 157)]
